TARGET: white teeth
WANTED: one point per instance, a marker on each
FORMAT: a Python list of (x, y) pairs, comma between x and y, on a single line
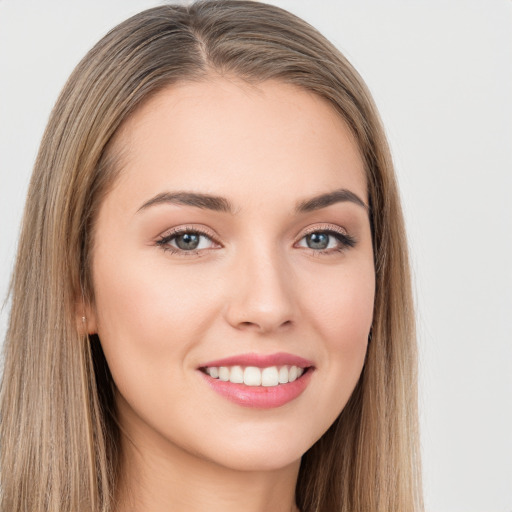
[(270, 376), (253, 376), (224, 373), (237, 375), (283, 375)]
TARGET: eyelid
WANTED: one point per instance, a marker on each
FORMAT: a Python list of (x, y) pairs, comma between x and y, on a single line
[(323, 227), (344, 239), (189, 228), (163, 239)]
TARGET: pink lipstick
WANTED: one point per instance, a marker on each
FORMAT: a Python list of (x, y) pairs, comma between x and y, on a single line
[(257, 380)]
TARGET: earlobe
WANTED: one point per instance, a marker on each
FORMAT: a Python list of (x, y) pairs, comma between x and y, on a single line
[(85, 320)]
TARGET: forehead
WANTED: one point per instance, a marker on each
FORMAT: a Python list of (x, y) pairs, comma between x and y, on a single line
[(225, 136)]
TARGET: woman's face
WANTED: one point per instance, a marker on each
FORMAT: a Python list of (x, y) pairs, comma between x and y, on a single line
[(233, 273)]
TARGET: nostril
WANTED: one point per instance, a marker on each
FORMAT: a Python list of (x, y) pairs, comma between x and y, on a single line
[(264, 326), (248, 326)]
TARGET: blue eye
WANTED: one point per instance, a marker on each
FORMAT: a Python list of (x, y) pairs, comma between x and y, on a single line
[(189, 241), (186, 241), (327, 240), (318, 240)]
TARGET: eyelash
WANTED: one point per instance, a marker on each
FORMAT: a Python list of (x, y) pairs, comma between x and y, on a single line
[(163, 242), (345, 240)]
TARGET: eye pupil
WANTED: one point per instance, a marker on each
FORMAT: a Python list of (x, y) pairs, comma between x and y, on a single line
[(187, 241), (317, 240)]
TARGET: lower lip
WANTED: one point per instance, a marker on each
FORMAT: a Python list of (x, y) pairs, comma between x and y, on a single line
[(260, 397)]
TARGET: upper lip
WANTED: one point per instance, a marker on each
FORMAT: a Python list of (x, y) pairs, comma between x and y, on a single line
[(261, 360)]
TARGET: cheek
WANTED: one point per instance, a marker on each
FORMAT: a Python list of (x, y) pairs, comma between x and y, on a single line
[(147, 318), (341, 315), (343, 306)]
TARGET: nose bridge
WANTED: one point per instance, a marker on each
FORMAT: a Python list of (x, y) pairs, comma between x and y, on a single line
[(261, 295)]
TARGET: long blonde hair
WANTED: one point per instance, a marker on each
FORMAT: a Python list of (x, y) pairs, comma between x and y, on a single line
[(59, 437)]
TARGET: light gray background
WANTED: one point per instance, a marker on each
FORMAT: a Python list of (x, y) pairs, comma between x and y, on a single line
[(441, 73)]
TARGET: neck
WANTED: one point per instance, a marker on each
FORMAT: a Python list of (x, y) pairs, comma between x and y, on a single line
[(182, 482)]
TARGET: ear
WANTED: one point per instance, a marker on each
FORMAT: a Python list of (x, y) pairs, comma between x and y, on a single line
[(85, 317)]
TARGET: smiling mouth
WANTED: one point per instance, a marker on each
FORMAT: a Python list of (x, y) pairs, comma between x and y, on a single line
[(253, 376)]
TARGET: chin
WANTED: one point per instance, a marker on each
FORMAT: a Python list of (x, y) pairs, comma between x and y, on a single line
[(258, 460), (259, 453)]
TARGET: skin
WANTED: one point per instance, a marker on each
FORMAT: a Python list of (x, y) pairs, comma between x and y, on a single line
[(253, 286)]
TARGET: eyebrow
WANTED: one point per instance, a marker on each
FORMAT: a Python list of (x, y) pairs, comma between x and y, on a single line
[(221, 204), (203, 201), (341, 195)]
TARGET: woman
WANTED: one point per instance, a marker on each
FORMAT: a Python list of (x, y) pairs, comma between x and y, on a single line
[(211, 301)]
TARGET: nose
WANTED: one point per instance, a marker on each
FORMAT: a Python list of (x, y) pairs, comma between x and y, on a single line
[(261, 296)]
